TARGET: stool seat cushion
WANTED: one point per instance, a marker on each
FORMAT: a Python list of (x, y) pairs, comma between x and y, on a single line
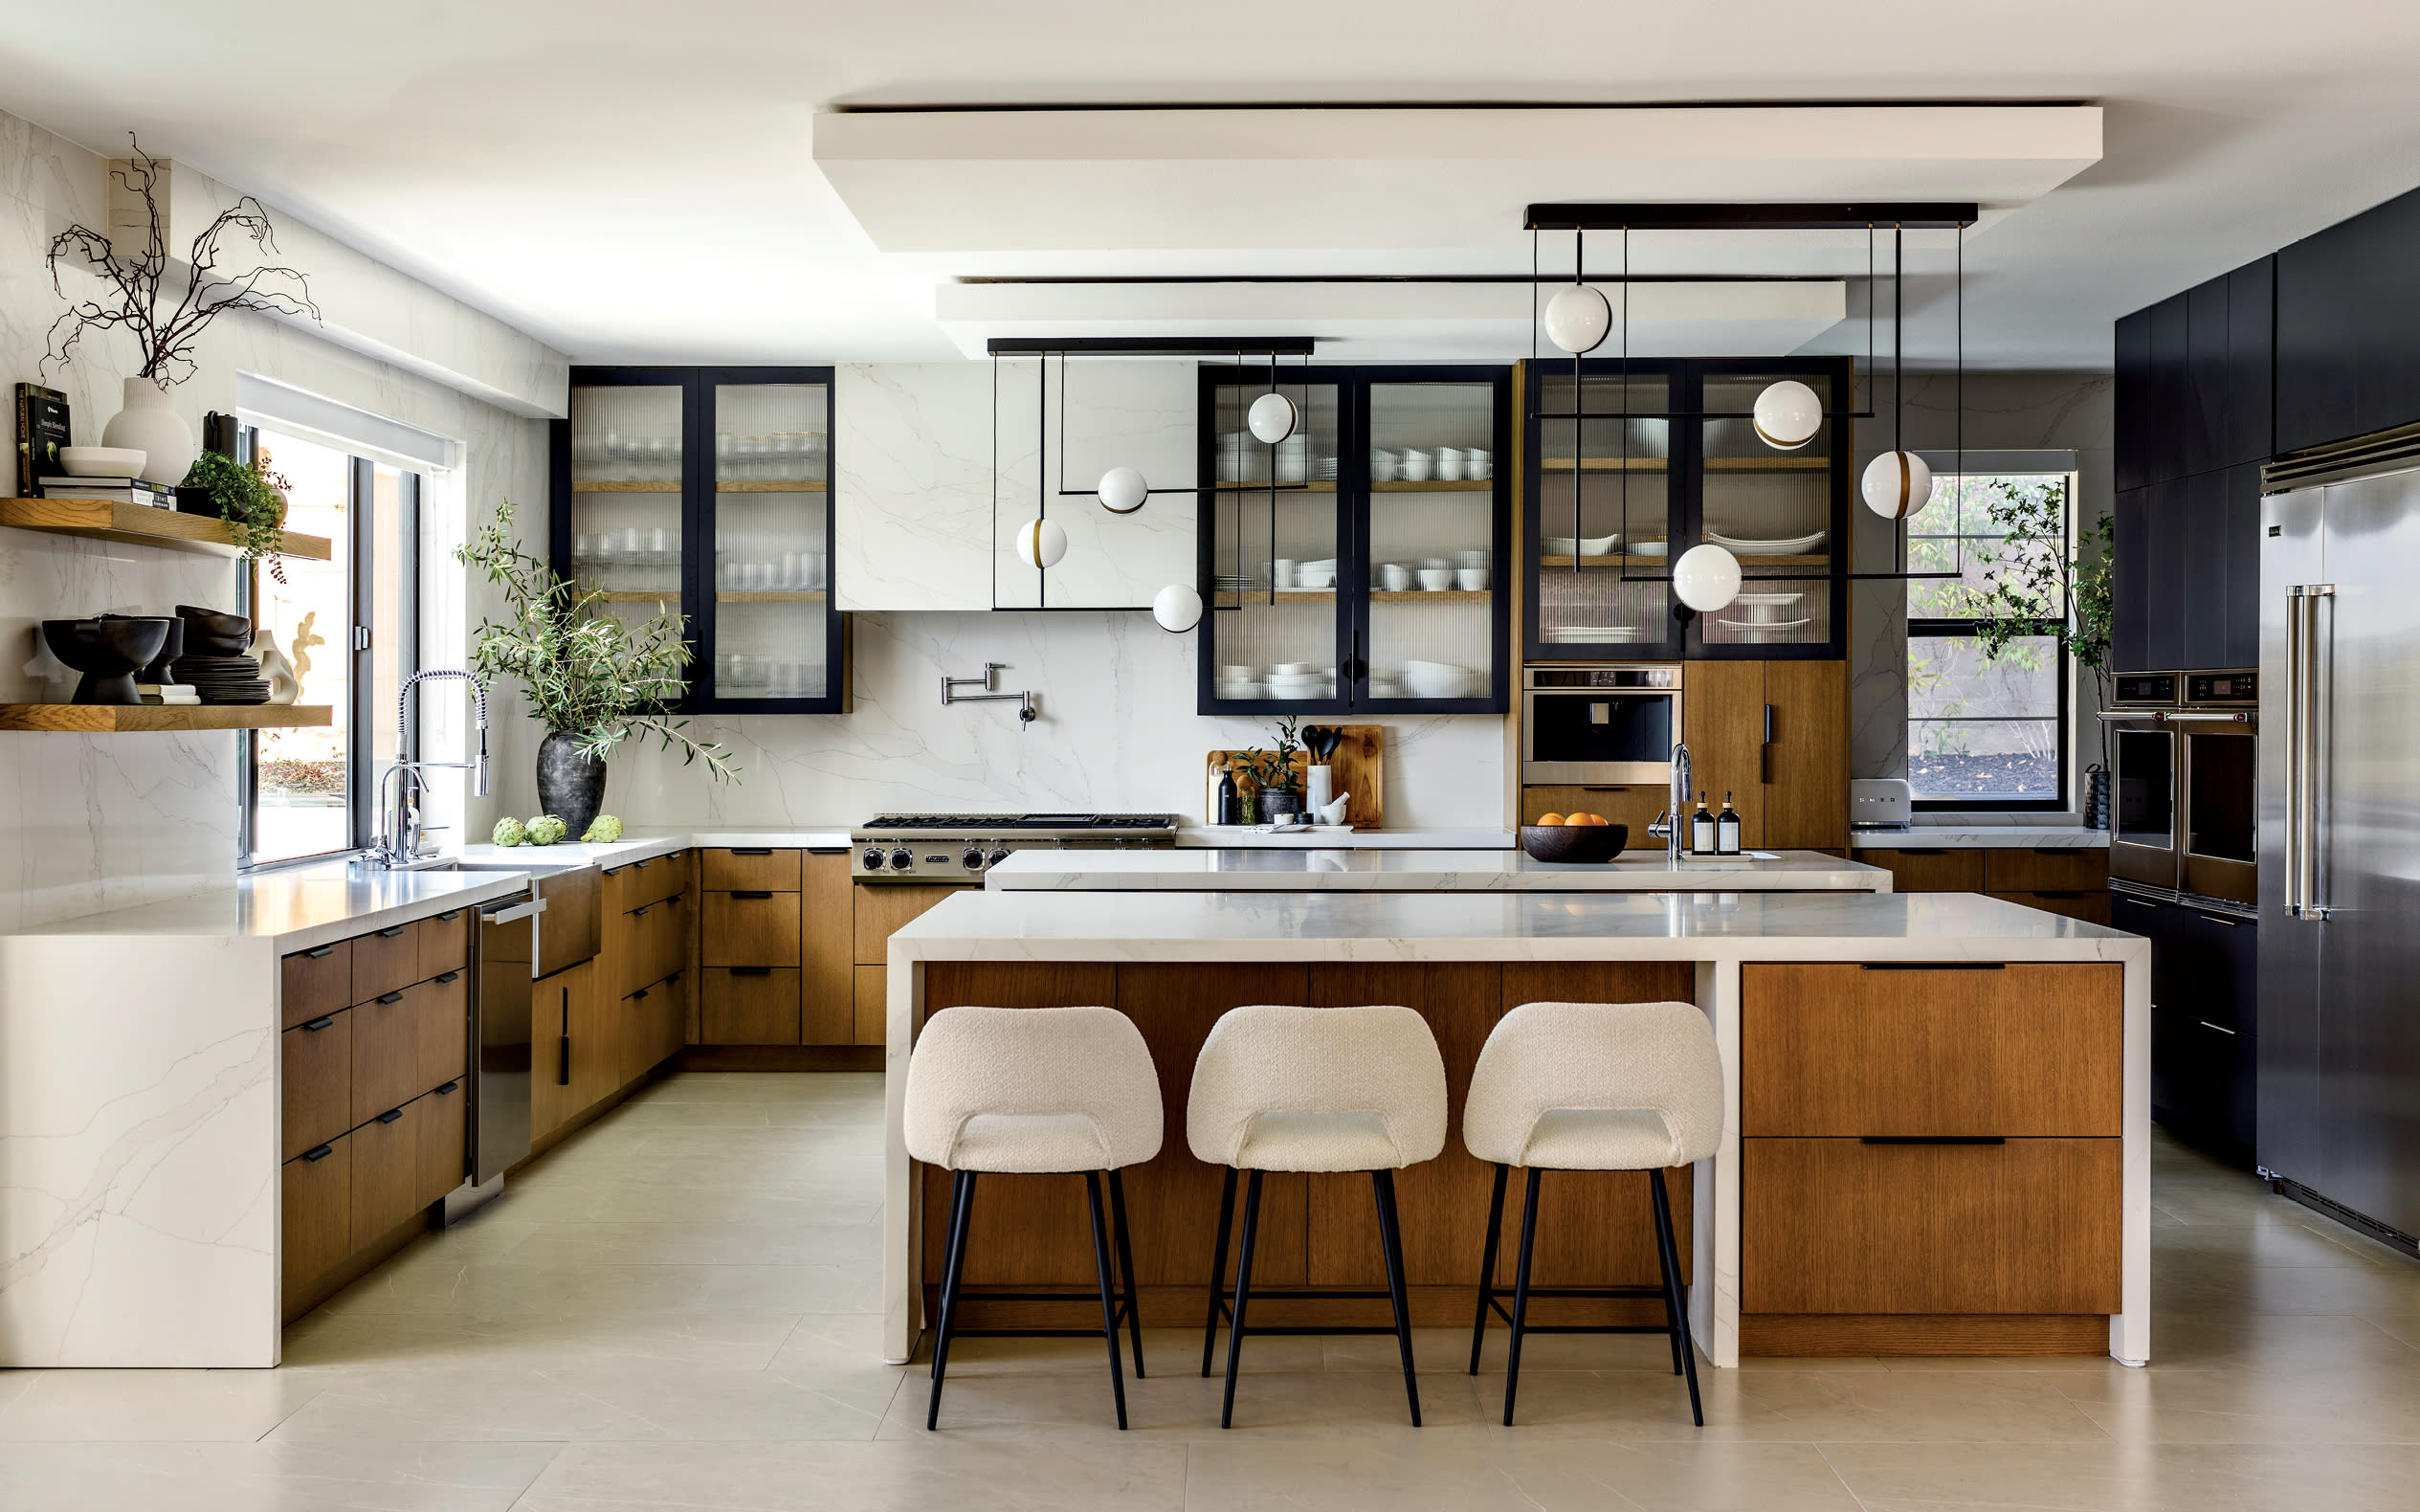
[(1287, 1088), (1596, 1086), (1032, 1090), (1327, 1141)]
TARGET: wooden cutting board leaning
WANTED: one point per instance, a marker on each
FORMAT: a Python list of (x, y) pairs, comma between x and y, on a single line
[(1358, 764)]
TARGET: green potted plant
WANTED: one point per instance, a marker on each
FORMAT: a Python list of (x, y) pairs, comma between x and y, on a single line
[(251, 499), (593, 678), (1280, 791)]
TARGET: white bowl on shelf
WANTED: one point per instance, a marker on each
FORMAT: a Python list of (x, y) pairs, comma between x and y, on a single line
[(1295, 669), (1471, 579), (1436, 580), (1438, 680), (1474, 559), (1589, 545), (102, 461)]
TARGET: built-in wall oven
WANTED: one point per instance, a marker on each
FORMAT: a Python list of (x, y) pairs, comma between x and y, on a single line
[(1599, 725), (2186, 770)]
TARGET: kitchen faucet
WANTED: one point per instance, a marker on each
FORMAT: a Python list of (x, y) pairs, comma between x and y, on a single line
[(401, 835), (1668, 824)]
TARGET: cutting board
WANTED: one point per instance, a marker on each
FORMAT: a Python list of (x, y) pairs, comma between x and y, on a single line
[(1358, 764)]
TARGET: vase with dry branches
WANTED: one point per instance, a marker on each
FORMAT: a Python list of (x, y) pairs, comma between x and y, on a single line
[(164, 306)]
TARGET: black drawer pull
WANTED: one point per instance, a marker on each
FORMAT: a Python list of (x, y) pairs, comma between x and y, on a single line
[(449, 915), (640, 865), (674, 980), (612, 871), (321, 1153), (389, 934), (390, 1114), (320, 953), (751, 970), (449, 976), (640, 912), (318, 1024), (2221, 1028), (391, 997), (763, 896), (448, 1090), (1937, 850), (641, 993), (1932, 965), (1933, 1138), (827, 850), (751, 850)]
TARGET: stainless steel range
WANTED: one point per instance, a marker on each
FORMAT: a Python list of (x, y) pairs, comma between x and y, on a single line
[(960, 847)]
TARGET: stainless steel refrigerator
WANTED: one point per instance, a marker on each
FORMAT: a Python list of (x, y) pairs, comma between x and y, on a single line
[(2340, 840)]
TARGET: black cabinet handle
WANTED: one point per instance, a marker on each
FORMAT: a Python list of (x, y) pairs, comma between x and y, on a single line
[(563, 1061), (641, 993), (1932, 965), (640, 912), (320, 953), (827, 850), (390, 1114), (2139, 902), (674, 980), (640, 865), (2221, 1028), (754, 895), (321, 1153), (391, 997), (318, 1024), (449, 915), (389, 934), (1765, 752), (1600, 790), (2217, 920), (448, 1090), (612, 871), (449, 976), (751, 970), (1933, 1138), (751, 850)]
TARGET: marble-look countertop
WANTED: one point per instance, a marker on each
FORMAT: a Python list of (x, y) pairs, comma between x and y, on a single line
[(1333, 870), (1246, 836), (298, 908), (1980, 836)]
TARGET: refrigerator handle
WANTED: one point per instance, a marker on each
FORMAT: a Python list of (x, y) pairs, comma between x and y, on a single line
[(2294, 764), (2318, 781)]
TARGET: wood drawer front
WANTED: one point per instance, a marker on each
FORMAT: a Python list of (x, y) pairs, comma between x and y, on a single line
[(882, 907), (1923, 871), (385, 961), (315, 1219), (2006, 871), (745, 1007), (444, 1140), (664, 940), (871, 1006), (315, 1078), (1840, 1226), (2092, 907), (655, 1025), (2025, 1048), (729, 871), (741, 929), (385, 1171), (406, 1042), (315, 983), (634, 885), (445, 942)]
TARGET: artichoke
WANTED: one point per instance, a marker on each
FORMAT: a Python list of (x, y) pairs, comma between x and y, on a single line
[(604, 832), (547, 829), (509, 833)]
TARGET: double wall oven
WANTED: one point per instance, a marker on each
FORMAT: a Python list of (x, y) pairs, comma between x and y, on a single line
[(2187, 786)]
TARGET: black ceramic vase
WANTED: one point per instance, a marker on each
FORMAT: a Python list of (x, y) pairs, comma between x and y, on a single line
[(570, 786), (2096, 799)]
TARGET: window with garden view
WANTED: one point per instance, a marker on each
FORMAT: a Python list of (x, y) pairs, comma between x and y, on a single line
[(1987, 675)]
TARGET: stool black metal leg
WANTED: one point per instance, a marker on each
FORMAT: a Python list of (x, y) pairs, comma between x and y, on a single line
[(1108, 1296), (1218, 1267), (1521, 1292), (1487, 1266), (950, 1247), (966, 1206), (1243, 1295), (1670, 1259), (1125, 1265), (1383, 1182)]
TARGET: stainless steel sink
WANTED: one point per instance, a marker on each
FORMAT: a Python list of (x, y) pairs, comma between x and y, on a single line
[(534, 866)]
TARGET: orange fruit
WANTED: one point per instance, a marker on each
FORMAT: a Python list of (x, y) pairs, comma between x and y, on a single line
[(1545, 819), (1593, 818), (1577, 820)]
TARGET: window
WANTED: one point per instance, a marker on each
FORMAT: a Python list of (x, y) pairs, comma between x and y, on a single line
[(1984, 732), (350, 628)]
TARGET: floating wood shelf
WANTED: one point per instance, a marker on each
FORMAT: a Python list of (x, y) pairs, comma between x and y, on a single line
[(1284, 595), (105, 718), (771, 596), (1747, 564), (608, 485), (1418, 595), (1605, 464), (138, 524), (1659, 464), (764, 485), (1768, 464)]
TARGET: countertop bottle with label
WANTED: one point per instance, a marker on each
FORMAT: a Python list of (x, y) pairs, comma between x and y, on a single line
[(1701, 829), (1727, 828)]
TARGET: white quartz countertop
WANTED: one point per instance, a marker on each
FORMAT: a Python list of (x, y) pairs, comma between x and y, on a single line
[(1234, 836), (1980, 836), (299, 907), (1513, 926), (1336, 870)]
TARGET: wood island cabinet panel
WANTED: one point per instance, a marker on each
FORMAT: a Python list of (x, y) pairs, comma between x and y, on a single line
[(315, 1217), (315, 983), (385, 1171), (881, 908), (741, 1005), (665, 1026), (1840, 1226), (444, 1141), (2025, 1048), (445, 942), (315, 1081), (598, 1034), (827, 948), (1920, 870), (1036, 984), (744, 930), (1806, 773), (385, 961), (386, 1051), (744, 869)]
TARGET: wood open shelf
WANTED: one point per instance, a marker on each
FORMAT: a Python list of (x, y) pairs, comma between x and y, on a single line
[(1418, 595), (766, 486), (1768, 464), (1605, 464), (138, 524), (107, 718), (614, 485), (1749, 565), (1284, 595), (771, 597), (1659, 464), (1607, 562)]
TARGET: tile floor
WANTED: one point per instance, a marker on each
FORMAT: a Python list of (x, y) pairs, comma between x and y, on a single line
[(676, 1310)]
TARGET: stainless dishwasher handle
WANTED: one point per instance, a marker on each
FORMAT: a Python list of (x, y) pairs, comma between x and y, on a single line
[(507, 915)]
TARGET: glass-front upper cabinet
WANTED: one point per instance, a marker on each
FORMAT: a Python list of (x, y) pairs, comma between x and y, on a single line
[(1353, 564), (705, 492), (1777, 511), (1602, 513)]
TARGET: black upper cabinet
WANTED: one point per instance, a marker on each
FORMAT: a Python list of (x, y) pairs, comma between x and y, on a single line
[(2240, 645), (2390, 375), (2205, 377), (2134, 424), (2128, 651), (2174, 421), (2193, 557), (2164, 555), (2249, 434), (2319, 339)]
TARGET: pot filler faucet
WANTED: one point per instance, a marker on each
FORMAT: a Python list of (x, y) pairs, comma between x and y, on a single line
[(1677, 800), (401, 835)]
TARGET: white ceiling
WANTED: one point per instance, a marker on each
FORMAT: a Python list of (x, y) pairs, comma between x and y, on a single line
[(635, 181)]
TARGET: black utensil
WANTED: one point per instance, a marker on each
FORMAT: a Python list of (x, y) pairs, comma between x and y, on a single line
[(1322, 741)]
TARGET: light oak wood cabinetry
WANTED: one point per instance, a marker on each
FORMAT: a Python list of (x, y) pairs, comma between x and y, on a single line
[(316, 1217), (742, 870), (1927, 869), (315, 983), (880, 910), (315, 1081), (749, 1006), (827, 939), (385, 1172)]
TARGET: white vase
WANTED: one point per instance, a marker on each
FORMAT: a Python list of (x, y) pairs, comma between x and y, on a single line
[(151, 425)]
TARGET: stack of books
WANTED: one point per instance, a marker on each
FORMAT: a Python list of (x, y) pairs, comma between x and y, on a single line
[(168, 693), (117, 490)]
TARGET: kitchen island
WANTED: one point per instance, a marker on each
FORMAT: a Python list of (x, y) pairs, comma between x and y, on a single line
[(1937, 1108), (1424, 871)]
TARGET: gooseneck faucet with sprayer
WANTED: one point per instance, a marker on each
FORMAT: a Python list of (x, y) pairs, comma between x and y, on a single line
[(401, 833), (1668, 824)]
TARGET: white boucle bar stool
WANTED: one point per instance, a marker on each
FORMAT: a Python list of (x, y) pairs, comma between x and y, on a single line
[(1314, 1089), (1592, 1086), (1034, 1091)]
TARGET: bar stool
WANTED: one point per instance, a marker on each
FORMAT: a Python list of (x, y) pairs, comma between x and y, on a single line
[(1592, 1086), (1034, 1091), (1314, 1089)]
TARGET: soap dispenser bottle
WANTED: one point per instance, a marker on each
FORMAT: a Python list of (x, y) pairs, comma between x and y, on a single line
[(1701, 829), (1230, 810), (1727, 828)]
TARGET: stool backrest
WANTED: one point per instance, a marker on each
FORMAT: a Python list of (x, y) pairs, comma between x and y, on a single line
[(1659, 1057), (1269, 1059), (1091, 1062)]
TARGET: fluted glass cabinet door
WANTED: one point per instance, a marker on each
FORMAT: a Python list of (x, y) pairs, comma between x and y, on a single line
[(1603, 515), (1429, 553), (626, 455), (1773, 509), (1273, 553), (771, 543)]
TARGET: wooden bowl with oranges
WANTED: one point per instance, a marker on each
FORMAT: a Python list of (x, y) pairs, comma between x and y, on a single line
[(1577, 838)]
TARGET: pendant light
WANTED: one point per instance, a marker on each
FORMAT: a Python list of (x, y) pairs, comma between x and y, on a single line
[(1123, 490), (1579, 318), (1896, 484), (1041, 543), (1788, 415), (1706, 578), (1177, 608), (1271, 417)]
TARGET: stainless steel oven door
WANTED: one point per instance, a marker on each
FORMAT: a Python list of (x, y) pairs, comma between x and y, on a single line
[(2221, 784), (2143, 831), (1599, 725)]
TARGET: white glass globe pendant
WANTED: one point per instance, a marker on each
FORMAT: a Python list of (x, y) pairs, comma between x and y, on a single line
[(1123, 490), (1896, 484), (1579, 318), (1707, 578), (1177, 608), (1041, 543), (1271, 417), (1788, 415)]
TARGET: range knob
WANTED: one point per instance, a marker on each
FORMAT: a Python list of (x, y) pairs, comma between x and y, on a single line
[(901, 859), (997, 855), (972, 859), (873, 857)]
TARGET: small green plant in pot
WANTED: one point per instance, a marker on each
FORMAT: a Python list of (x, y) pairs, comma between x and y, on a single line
[(591, 678), (251, 499), (1280, 791)]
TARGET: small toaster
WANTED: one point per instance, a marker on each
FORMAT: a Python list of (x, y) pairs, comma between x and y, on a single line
[(1879, 803)]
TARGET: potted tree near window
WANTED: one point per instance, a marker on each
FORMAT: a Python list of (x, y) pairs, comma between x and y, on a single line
[(2041, 584)]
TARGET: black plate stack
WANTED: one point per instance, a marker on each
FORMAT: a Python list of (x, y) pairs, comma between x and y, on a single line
[(215, 662)]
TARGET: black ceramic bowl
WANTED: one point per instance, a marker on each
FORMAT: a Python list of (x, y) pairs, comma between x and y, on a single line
[(208, 633), (1574, 842), (106, 652), (169, 649)]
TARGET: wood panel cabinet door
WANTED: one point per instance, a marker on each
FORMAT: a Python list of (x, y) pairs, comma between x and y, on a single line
[(1929, 871), (739, 870), (1634, 806), (827, 949), (749, 1006), (881, 908), (315, 1216), (870, 1008), (315, 983), (315, 1081), (1842, 1226), (1722, 717), (553, 1049), (750, 928), (1805, 777), (2025, 870), (386, 1053), (441, 1027), (385, 1172), (598, 1038), (445, 942), (444, 1141), (1851, 1051)]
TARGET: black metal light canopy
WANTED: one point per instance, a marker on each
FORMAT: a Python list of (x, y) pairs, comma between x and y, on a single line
[(1908, 215), (1150, 345)]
